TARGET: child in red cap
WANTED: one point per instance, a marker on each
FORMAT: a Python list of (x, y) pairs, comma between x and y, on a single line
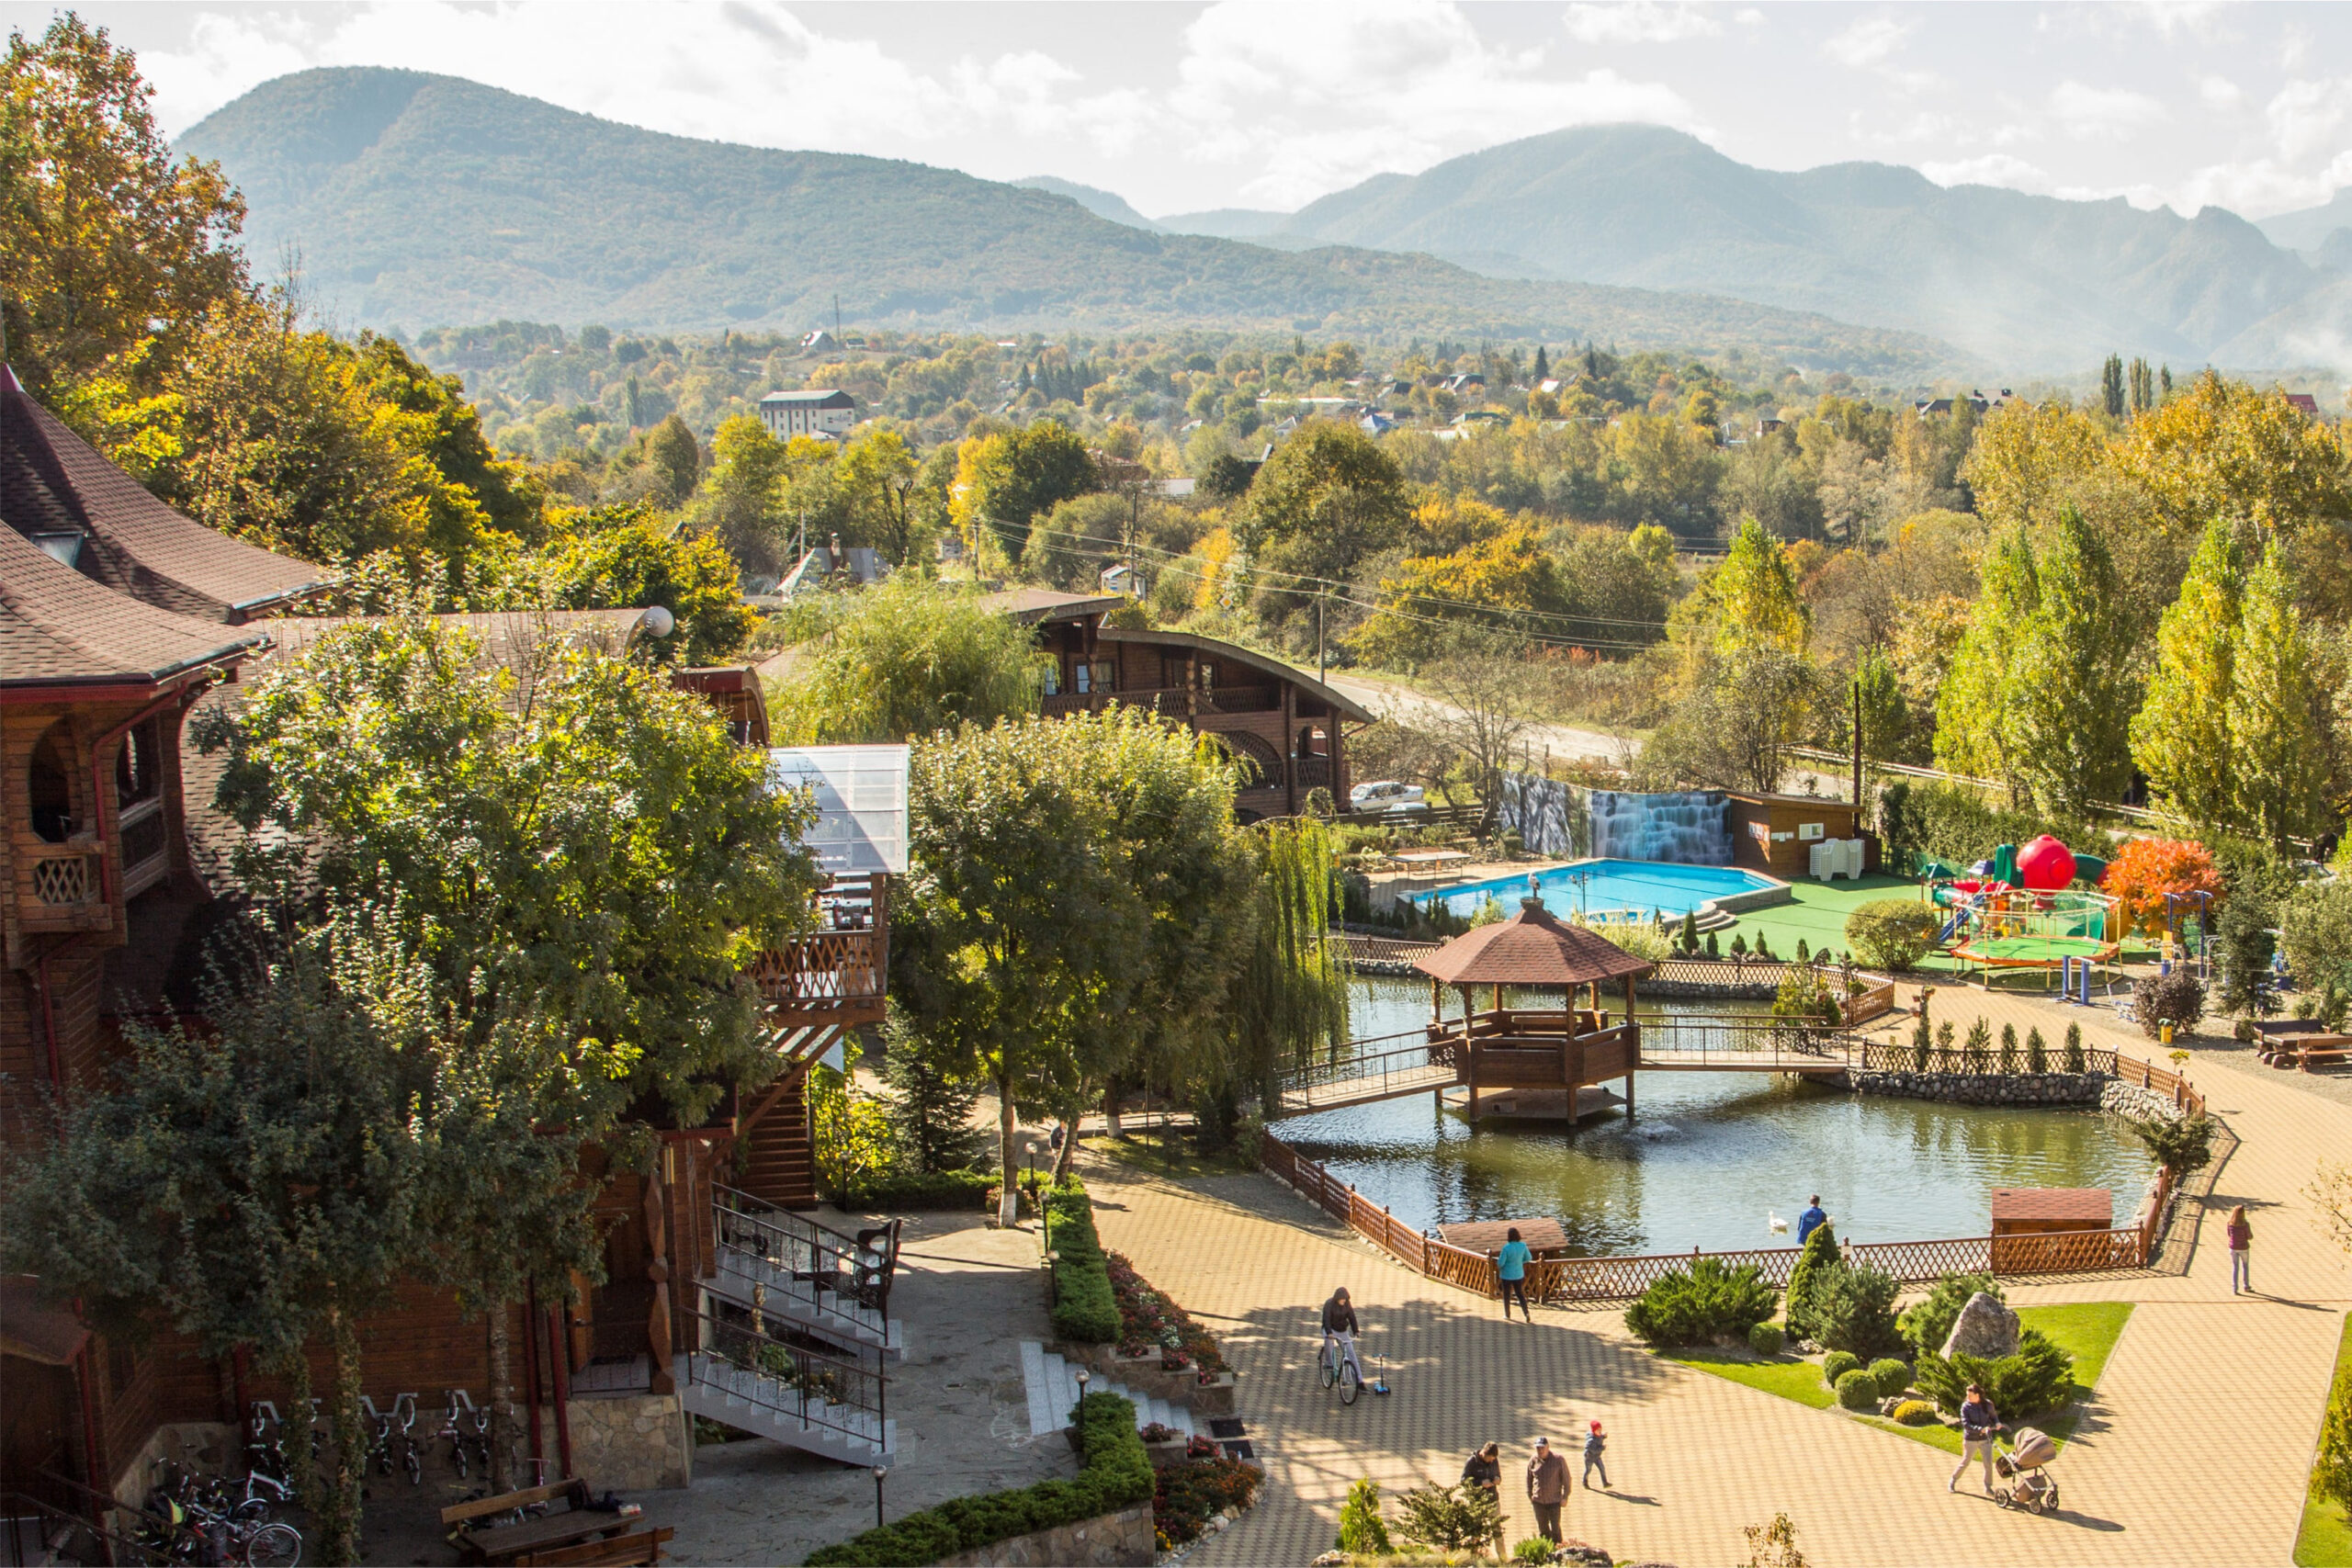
[(1593, 1443)]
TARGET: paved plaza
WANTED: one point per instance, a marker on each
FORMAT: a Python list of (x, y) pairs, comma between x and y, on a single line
[(2196, 1451)]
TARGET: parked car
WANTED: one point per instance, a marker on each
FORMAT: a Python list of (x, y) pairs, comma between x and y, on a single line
[(1383, 796)]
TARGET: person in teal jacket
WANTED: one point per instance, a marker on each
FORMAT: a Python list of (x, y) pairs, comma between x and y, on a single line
[(1510, 1266)]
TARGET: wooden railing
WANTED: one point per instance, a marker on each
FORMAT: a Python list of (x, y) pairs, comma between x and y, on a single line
[(1168, 701), (1616, 1279)]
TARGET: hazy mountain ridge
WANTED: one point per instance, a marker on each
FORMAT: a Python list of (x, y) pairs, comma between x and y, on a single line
[(2027, 281), (417, 199)]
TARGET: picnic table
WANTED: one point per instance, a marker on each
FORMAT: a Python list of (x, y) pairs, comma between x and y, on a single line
[(2302, 1042), (573, 1525)]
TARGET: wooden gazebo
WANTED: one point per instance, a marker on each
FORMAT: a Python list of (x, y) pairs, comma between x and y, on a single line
[(1536, 1054)]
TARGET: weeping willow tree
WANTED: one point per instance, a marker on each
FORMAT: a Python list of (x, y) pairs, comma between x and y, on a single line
[(1289, 998)]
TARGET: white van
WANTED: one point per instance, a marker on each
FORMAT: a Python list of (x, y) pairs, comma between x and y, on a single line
[(1386, 795)]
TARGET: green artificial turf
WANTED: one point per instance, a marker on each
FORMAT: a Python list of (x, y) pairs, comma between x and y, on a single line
[(1818, 919), (2087, 1331), (2325, 1539)]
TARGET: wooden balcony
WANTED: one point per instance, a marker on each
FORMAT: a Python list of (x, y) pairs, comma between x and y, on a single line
[(61, 887), (840, 973), (1170, 702)]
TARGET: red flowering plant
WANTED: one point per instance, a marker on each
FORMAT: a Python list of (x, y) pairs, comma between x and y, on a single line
[(1185, 1498), (1148, 1321)]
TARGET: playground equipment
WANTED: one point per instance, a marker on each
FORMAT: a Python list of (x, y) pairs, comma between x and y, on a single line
[(2022, 914)]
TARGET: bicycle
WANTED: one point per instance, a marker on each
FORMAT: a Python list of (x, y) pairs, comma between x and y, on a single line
[(460, 1405), (411, 1451), (1336, 1362)]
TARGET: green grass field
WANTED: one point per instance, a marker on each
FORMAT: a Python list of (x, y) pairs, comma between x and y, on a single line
[(1819, 919), (2325, 1539), (2086, 1330)]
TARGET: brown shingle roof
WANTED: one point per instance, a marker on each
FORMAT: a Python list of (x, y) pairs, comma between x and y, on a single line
[(1532, 948), (57, 627), (52, 481)]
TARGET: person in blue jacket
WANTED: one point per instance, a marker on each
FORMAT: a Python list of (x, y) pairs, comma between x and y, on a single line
[(1510, 1266), (1813, 1219)]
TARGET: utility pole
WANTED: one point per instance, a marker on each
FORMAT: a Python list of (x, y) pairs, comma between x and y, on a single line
[(1320, 668), (837, 320), (1857, 752)]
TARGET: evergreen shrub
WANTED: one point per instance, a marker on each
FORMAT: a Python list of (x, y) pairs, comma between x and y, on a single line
[(1837, 1364), (1857, 1389), (1708, 1301), (1766, 1339), (1894, 933), (2039, 1377), (1890, 1375), (1086, 1310), (1853, 1309)]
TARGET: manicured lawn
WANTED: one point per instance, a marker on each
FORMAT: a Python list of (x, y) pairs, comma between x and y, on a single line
[(1818, 919), (2325, 1541), (2087, 1330), (1784, 1377)]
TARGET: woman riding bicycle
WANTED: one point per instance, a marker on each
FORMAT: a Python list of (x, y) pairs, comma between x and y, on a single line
[(1339, 1331)]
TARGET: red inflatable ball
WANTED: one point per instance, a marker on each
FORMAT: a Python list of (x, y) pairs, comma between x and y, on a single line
[(2045, 865)]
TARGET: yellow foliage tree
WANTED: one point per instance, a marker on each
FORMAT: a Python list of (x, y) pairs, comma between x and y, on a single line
[(1505, 582)]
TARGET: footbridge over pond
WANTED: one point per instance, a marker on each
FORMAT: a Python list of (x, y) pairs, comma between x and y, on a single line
[(1518, 1056)]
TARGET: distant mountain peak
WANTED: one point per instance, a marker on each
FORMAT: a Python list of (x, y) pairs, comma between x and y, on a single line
[(1100, 202)]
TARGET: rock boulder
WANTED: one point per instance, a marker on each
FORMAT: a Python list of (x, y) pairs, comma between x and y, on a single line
[(1985, 1329)]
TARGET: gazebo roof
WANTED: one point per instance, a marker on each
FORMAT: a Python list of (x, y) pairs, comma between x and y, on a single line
[(1532, 948)]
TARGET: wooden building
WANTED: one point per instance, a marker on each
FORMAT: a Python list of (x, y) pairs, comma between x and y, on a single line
[(1775, 833), (1289, 730), (118, 616)]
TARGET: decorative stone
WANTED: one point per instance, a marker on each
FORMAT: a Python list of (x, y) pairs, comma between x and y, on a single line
[(1985, 1329)]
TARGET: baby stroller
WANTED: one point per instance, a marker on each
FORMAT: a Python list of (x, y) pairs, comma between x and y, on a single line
[(2025, 1460)]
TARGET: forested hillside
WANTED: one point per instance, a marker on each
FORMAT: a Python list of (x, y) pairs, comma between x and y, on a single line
[(417, 200)]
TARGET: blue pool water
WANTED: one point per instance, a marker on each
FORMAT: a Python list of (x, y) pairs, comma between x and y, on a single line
[(1644, 885)]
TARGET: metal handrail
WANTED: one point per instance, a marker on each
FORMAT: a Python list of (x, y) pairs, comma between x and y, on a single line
[(808, 1249), (808, 1386)]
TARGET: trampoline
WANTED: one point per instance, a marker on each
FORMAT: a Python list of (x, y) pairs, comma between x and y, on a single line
[(2020, 931), (2033, 951)]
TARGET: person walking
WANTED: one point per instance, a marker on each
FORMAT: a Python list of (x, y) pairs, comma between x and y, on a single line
[(1593, 1444), (1978, 1422), (2241, 1237), (1548, 1488), (1812, 1220), (1510, 1266)]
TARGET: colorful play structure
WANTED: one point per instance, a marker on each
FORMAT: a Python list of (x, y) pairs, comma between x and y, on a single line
[(2026, 909)]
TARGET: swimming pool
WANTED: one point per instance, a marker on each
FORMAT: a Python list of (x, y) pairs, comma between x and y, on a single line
[(1593, 886)]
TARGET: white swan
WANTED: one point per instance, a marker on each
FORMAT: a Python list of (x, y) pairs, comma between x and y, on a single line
[(1774, 1223)]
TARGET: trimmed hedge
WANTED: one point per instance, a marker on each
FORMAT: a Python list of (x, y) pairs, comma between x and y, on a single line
[(1766, 1339), (963, 1189), (1857, 1389), (1890, 1375), (1117, 1475), (1086, 1310), (1837, 1364)]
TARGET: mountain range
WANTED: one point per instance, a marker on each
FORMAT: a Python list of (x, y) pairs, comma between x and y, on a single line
[(2023, 281), (413, 199)]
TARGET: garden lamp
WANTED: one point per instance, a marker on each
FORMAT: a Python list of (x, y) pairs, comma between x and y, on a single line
[(879, 1472)]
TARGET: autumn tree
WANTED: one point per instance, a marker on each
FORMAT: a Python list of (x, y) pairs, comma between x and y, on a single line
[(676, 459), (1977, 716), (2277, 759), (109, 250), (1005, 481), (2072, 692), (1325, 500)]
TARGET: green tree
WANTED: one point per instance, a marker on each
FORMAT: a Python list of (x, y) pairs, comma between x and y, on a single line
[(676, 460), (255, 1186), (1289, 998), (1977, 713), (2110, 386), (1327, 498), (2182, 730), (1005, 481), (742, 502), (2072, 691), (877, 473), (1885, 718), (1757, 596), (108, 249), (628, 558), (905, 660), (2278, 757)]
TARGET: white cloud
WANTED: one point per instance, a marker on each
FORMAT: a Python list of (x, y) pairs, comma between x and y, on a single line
[(1637, 21), (2003, 169), (2220, 92), (1868, 43), (2111, 112), (2303, 115)]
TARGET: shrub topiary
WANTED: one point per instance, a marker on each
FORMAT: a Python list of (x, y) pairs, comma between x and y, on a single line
[(2037, 1052), (1708, 1301), (1892, 933), (1890, 1375), (1361, 1532), (1853, 1309), (1926, 1323), (1857, 1389), (1837, 1364), (2076, 1061), (1766, 1339), (1086, 1310), (2039, 1377), (1914, 1413), (2177, 999), (1820, 1252)]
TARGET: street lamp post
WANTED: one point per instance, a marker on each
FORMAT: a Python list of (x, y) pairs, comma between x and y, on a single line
[(1084, 1376), (879, 1472)]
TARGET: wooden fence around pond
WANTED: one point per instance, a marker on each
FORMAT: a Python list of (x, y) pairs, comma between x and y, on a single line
[(1564, 1279)]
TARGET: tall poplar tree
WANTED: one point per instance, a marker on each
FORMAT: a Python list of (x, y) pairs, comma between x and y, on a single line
[(2073, 690), (2276, 759), (1977, 718), (1758, 595), (2182, 730), (2110, 386)]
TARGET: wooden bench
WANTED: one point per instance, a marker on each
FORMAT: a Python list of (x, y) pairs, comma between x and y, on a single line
[(573, 1524), (642, 1547), (2323, 1051)]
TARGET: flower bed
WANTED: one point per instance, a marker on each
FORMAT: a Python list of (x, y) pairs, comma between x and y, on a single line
[(1188, 1495), (1148, 1321)]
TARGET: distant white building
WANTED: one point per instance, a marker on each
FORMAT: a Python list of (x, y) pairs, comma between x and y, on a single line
[(818, 411)]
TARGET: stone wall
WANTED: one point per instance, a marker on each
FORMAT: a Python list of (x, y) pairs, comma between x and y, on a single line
[(627, 1443), (2140, 1104), (1106, 1540), (2085, 1090)]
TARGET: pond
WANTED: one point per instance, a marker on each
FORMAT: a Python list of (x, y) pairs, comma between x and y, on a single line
[(1711, 1156)]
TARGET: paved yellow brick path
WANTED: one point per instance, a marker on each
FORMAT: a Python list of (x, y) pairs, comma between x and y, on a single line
[(2196, 1451)]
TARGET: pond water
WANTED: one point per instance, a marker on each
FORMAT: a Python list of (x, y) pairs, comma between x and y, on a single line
[(1710, 1156)]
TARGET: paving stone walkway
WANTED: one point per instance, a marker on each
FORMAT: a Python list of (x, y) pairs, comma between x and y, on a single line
[(2196, 1451)]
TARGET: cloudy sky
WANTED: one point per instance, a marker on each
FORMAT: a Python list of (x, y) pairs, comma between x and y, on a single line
[(1183, 106)]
